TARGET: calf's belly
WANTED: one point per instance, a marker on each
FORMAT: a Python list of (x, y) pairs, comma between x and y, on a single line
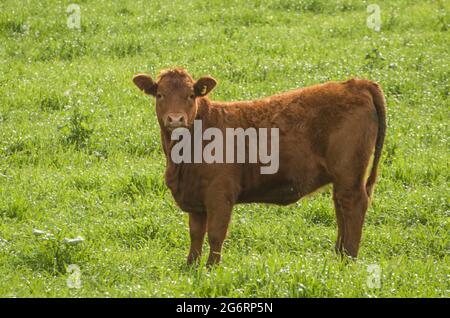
[(267, 198), (284, 191), (275, 194)]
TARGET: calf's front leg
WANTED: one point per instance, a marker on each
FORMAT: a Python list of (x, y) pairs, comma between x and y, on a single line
[(197, 230), (218, 216)]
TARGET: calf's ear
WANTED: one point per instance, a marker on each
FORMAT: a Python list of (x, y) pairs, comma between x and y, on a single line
[(204, 85), (145, 83)]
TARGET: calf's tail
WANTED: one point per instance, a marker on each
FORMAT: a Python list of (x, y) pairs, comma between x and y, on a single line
[(380, 106)]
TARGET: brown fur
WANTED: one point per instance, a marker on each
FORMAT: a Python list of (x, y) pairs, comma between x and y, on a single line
[(327, 135)]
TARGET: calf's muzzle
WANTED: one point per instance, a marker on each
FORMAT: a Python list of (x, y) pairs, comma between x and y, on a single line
[(175, 120)]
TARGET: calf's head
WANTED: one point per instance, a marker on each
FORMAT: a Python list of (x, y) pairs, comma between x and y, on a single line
[(176, 96)]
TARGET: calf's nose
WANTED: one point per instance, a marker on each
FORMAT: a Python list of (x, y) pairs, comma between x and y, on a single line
[(175, 119)]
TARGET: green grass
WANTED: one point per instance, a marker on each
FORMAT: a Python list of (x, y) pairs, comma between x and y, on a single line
[(80, 153)]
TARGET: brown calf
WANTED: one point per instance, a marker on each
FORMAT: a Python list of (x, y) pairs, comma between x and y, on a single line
[(327, 134)]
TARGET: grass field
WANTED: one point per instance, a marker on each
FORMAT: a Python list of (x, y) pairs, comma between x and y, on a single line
[(80, 149)]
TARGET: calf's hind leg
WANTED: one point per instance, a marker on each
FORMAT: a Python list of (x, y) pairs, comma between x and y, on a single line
[(340, 223), (351, 206), (348, 158)]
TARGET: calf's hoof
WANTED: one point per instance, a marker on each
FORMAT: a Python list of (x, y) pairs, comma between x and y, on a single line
[(213, 259)]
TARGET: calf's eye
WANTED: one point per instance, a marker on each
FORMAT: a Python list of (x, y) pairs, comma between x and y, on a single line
[(158, 96), (192, 96)]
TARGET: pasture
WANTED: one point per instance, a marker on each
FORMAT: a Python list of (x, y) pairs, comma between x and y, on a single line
[(80, 152)]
